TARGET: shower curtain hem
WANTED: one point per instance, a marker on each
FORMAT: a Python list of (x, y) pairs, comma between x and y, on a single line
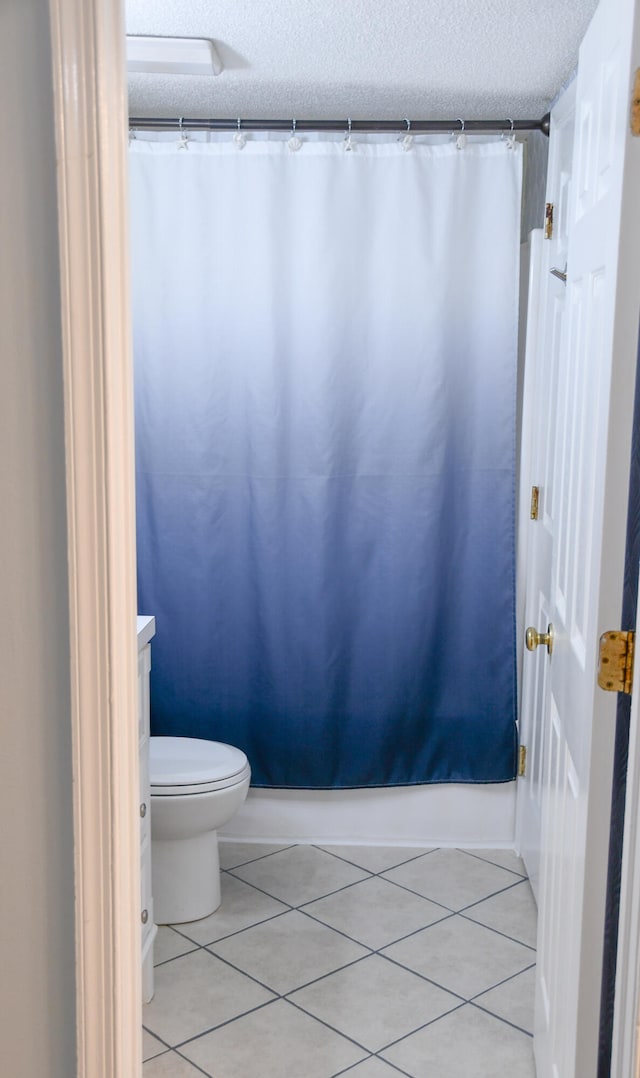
[(392, 785)]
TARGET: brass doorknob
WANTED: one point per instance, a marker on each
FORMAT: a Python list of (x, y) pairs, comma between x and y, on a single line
[(534, 639)]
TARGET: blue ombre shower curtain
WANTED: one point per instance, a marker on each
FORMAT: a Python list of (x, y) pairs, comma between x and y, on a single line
[(325, 358)]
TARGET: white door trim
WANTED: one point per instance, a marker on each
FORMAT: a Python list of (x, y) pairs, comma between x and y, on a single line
[(89, 85)]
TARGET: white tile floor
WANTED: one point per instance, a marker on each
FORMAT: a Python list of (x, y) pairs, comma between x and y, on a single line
[(366, 962)]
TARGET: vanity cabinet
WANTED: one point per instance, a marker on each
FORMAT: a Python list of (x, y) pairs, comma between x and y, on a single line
[(146, 630)]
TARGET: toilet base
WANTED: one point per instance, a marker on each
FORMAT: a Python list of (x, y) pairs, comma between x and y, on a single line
[(185, 878)]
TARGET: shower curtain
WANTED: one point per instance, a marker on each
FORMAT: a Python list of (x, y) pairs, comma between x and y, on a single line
[(325, 359)]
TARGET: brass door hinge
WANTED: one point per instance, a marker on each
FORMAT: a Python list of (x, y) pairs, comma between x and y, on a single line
[(522, 761), (635, 105), (535, 502), (548, 221), (615, 661)]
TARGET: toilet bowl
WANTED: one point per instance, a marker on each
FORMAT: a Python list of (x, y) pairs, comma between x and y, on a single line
[(196, 786)]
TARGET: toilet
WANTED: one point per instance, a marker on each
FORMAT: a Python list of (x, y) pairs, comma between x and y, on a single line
[(196, 786)]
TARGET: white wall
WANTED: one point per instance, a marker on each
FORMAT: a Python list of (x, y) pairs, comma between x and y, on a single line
[(37, 986)]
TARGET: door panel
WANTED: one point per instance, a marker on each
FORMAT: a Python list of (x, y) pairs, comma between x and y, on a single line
[(586, 474), (543, 407)]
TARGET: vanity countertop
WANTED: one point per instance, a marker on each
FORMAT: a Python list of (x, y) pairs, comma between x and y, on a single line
[(146, 629)]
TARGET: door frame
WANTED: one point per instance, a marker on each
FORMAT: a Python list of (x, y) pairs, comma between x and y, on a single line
[(90, 109), (626, 1021)]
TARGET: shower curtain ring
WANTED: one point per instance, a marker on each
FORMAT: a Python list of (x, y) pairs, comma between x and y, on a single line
[(408, 138), (294, 142), (348, 144), (511, 137), (182, 145), (239, 138), (461, 140)]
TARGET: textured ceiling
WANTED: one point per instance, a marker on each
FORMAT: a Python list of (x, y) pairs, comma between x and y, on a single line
[(365, 59)]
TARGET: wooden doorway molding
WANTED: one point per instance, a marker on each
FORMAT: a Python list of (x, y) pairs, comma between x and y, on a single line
[(89, 88)]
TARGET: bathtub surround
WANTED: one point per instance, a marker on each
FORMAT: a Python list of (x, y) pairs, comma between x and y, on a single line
[(325, 351), (363, 962), (445, 814)]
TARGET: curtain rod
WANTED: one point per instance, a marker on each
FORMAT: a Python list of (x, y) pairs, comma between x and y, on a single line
[(416, 127)]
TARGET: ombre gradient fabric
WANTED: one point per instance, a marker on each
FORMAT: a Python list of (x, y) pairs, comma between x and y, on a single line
[(325, 360)]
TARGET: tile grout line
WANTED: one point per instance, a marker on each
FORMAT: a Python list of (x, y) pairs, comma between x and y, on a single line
[(403, 887), (384, 1047), (488, 861), (437, 984), (500, 1018), (373, 1055), (317, 899), (285, 997), (165, 1048), (398, 864), (499, 984), (209, 948), (268, 1003), (227, 1022), (379, 951), (266, 920), (185, 954), (244, 973), (447, 914), (475, 1001), (260, 890), (467, 1003), (478, 901), (369, 875), (327, 1025), (376, 1053), (195, 1066), (497, 931), (379, 876), (297, 988), (419, 1029), (495, 894), (428, 980), (391, 943), (237, 932), (300, 907), (260, 857), (307, 984)]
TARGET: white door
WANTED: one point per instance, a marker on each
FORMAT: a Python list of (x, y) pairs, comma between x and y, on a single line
[(590, 405), (542, 363)]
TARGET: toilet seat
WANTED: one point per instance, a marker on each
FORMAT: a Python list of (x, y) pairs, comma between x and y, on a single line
[(180, 766)]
